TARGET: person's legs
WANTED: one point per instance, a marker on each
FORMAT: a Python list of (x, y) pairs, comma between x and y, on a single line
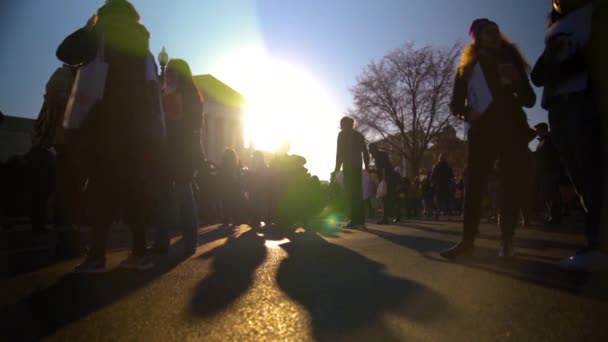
[(188, 220), (575, 130), (164, 218), (511, 191), (353, 189), (481, 157), (99, 240)]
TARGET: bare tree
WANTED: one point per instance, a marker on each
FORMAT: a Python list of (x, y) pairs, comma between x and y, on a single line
[(404, 98)]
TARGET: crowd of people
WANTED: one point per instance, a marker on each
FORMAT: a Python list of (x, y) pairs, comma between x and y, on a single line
[(492, 86), (134, 154)]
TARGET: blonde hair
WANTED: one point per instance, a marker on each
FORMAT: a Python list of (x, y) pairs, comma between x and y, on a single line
[(469, 57)]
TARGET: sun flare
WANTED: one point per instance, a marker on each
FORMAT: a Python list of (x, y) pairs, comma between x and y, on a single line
[(285, 104)]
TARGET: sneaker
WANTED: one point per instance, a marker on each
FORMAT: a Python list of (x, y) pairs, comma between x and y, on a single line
[(459, 250), (593, 260), (506, 249), (139, 263), (91, 266)]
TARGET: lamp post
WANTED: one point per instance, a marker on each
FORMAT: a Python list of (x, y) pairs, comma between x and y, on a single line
[(163, 59)]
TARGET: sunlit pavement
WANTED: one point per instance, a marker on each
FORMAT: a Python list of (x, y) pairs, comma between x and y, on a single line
[(387, 283)]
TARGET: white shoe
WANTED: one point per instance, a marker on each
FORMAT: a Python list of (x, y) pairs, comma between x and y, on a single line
[(590, 261)]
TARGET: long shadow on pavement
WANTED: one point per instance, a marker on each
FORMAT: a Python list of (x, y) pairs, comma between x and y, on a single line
[(234, 265), (541, 273), (74, 297), (347, 294), (519, 241)]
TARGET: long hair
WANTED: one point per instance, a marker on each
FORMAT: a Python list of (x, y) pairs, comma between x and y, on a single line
[(470, 55), (230, 160), (185, 81), (193, 99)]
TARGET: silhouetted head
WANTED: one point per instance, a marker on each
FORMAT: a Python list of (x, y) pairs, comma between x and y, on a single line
[(560, 8), (485, 33), (180, 68), (118, 8), (230, 159), (1, 118), (347, 123)]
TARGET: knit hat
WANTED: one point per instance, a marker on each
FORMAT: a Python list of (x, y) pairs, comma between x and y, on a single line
[(478, 25), (118, 6)]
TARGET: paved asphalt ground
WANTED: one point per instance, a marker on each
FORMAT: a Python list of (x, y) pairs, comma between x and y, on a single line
[(385, 284)]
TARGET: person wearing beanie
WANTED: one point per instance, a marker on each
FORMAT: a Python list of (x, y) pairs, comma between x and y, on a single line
[(569, 71), (120, 133), (491, 87)]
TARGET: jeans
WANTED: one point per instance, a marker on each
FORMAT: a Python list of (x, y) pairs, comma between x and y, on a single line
[(576, 131), (485, 146), (177, 206)]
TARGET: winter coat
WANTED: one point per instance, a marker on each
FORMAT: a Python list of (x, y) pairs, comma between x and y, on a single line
[(505, 117), (184, 116), (441, 176), (120, 139)]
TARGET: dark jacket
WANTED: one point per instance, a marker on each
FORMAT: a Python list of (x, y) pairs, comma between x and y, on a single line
[(351, 146), (505, 113), (386, 170), (442, 176), (548, 160), (183, 135), (120, 139), (549, 73)]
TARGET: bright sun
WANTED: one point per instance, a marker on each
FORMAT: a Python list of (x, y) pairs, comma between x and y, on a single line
[(284, 104)]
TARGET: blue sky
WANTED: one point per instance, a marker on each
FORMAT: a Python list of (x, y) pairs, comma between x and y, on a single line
[(330, 39)]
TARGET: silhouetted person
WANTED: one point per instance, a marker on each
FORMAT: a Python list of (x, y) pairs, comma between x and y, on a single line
[(387, 173), (549, 173), (500, 130), (122, 131), (442, 178), (230, 187), (183, 108), (206, 193), (258, 183), (350, 151), (564, 70), (427, 193), (52, 175)]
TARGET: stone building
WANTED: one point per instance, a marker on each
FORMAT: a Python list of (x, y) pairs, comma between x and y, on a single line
[(223, 118)]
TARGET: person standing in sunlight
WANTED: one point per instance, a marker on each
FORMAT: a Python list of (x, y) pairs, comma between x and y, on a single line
[(351, 147)]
